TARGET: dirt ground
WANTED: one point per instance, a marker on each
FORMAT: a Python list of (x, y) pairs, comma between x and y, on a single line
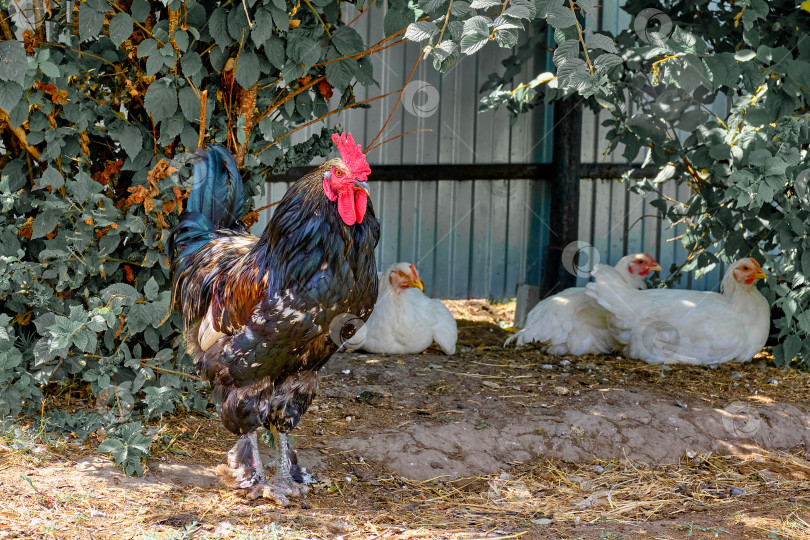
[(489, 443)]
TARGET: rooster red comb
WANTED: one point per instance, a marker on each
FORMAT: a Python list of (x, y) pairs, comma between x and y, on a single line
[(352, 155)]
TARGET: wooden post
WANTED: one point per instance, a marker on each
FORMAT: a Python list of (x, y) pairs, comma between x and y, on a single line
[(564, 216)]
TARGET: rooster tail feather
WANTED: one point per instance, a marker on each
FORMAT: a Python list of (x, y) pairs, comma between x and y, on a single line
[(217, 191), (214, 204)]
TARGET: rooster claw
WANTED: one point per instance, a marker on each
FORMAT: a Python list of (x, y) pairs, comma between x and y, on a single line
[(279, 493)]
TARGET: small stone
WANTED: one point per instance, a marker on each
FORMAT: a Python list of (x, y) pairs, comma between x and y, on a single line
[(346, 371), (773, 382), (681, 404), (598, 469), (546, 366), (561, 390), (565, 363), (542, 521), (736, 492)]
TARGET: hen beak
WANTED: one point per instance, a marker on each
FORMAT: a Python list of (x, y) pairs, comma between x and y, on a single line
[(656, 268), (759, 274), (362, 186), (419, 285)]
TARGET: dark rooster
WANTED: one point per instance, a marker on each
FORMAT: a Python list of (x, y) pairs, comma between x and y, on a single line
[(263, 314)]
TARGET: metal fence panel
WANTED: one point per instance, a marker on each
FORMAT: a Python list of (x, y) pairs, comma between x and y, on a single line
[(469, 239)]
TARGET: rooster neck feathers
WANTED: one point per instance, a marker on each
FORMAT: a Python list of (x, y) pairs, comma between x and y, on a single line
[(300, 238)]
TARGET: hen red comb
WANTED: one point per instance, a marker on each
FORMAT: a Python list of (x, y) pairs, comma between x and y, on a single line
[(352, 155)]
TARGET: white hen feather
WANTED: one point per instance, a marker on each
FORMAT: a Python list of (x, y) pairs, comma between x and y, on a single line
[(404, 320), (571, 322), (668, 326)]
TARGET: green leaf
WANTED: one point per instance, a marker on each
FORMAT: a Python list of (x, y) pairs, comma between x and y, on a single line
[(52, 177), (421, 30), (90, 22), (140, 10), (248, 69), (600, 41), (394, 21), (274, 51), (303, 50), (191, 63), (339, 74), (744, 55), (10, 94), (154, 63), (559, 16), (13, 62), (484, 4), (129, 137), (160, 100), (120, 28), (218, 26), (44, 223), (49, 69), (262, 27), (189, 104), (150, 289), (347, 41), (181, 39), (147, 47), (775, 166)]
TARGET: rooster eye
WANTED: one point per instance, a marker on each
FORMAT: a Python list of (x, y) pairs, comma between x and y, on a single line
[(338, 173)]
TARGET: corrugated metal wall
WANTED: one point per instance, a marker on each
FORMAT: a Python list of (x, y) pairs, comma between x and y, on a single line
[(468, 239)]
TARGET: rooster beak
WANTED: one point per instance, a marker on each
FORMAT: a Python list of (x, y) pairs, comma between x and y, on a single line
[(419, 285), (362, 185)]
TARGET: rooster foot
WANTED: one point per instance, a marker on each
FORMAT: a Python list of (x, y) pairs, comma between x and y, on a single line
[(277, 492)]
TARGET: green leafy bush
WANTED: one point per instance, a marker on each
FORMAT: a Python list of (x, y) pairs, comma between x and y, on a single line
[(101, 105)]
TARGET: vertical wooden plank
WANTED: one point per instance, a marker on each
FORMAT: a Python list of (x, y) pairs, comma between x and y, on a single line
[(564, 217)]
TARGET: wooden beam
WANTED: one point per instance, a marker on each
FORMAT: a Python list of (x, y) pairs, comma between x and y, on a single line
[(564, 215), (479, 171)]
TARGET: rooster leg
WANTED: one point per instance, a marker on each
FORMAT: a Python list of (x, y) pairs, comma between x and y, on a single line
[(282, 485), (244, 469), (245, 462), (283, 476)]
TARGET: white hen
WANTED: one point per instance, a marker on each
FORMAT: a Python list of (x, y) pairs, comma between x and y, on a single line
[(668, 326), (404, 320), (571, 322)]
